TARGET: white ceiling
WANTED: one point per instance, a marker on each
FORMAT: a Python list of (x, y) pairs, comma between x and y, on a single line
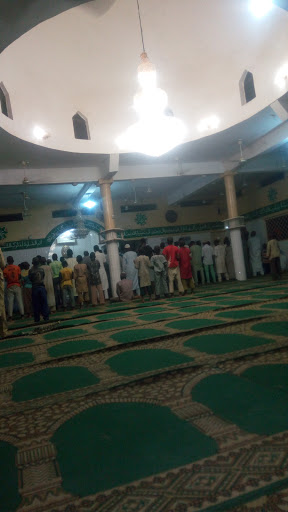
[(84, 60)]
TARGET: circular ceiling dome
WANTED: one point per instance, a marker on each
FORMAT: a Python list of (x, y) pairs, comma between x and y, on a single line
[(85, 61)]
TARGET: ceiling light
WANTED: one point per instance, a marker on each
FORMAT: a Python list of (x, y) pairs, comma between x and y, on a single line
[(39, 133), (155, 133), (209, 123), (153, 139), (89, 204), (281, 76), (260, 7)]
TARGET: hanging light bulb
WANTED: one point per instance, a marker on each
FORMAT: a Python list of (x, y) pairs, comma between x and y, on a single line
[(146, 73), (155, 133)]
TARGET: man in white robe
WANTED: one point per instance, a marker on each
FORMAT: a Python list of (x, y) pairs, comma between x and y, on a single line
[(220, 256), (103, 275), (254, 246), (129, 268)]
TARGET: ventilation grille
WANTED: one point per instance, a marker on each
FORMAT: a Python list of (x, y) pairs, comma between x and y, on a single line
[(138, 208), (12, 217)]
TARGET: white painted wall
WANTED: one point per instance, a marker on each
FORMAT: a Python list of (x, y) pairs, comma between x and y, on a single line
[(78, 61), (86, 244)]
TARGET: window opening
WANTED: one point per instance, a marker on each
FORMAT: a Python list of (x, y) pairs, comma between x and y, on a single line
[(5, 104), (81, 129), (247, 87)]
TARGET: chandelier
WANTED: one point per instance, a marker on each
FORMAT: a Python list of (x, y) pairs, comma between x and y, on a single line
[(157, 130), (80, 231)]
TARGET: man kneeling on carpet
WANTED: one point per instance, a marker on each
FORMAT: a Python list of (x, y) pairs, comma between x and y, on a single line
[(124, 290)]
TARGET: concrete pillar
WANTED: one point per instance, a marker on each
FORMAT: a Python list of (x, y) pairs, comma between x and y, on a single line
[(110, 234), (233, 223)]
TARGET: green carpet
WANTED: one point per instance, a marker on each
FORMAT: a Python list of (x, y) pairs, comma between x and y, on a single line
[(273, 328), (277, 305), (51, 381), (73, 347), (224, 343), (242, 314), (198, 309), (252, 407), (113, 325), (158, 316), (271, 375), (10, 498), (15, 359), (146, 360), (111, 316), (71, 323), (156, 309), (119, 443), (17, 342), (270, 296), (198, 323), (63, 333), (184, 304), (27, 330), (137, 335), (231, 302)]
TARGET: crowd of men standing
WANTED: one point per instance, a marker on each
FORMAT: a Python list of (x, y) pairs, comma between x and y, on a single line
[(54, 284)]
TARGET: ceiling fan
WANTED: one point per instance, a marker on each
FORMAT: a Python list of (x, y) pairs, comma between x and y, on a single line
[(242, 160), (26, 180)]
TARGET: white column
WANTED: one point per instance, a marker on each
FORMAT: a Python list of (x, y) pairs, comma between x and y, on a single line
[(111, 235), (235, 232)]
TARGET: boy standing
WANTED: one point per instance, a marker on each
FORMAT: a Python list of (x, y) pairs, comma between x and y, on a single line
[(66, 276), (159, 263)]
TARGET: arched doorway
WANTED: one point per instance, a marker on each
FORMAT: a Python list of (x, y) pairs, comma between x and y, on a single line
[(62, 237)]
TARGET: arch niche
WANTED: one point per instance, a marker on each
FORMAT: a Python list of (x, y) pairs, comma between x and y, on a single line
[(55, 239)]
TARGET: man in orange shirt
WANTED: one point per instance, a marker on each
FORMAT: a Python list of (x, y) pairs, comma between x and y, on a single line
[(171, 253), (12, 274)]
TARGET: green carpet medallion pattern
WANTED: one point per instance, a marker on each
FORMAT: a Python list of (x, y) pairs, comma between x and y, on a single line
[(151, 435), (74, 347), (64, 333), (273, 328), (180, 402), (241, 315), (183, 325), (224, 343), (15, 359), (137, 335), (250, 406), (105, 326), (10, 497), (51, 381), (16, 342), (140, 361), (271, 375)]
